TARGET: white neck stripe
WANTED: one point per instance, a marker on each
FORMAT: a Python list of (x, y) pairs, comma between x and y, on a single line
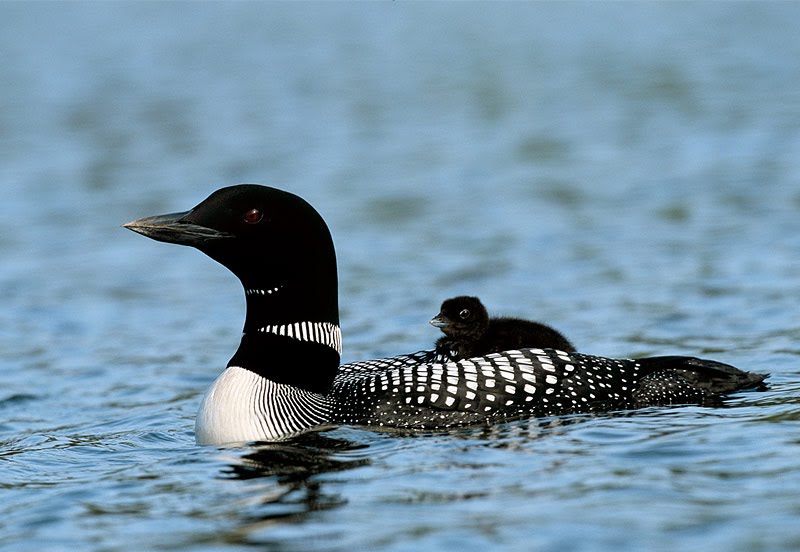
[(323, 333), (262, 291)]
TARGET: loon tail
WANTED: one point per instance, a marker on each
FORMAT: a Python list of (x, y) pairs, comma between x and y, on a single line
[(708, 376)]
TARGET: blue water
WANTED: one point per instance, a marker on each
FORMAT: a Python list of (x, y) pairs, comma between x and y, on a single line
[(629, 173)]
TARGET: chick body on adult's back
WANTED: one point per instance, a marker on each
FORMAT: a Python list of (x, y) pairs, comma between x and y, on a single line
[(470, 332)]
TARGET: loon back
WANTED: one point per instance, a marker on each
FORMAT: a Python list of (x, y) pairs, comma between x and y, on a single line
[(285, 378), (409, 392)]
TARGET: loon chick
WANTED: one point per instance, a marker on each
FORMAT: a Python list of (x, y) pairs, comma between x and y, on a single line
[(285, 378), (469, 332)]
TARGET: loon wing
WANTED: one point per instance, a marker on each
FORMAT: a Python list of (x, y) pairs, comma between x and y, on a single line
[(709, 376), (417, 390)]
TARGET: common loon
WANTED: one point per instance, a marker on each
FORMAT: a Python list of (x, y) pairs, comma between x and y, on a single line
[(285, 378), (469, 332)]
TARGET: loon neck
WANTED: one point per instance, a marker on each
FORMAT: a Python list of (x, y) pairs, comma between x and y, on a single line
[(285, 303), (291, 335)]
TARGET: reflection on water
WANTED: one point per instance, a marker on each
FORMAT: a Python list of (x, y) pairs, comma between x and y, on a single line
[(292, 483), (293, 489), (295, 460), (290, 476)]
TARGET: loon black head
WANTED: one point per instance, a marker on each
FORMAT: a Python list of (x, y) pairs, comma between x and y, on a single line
[(462, 316), (273, 241), (281, 249)]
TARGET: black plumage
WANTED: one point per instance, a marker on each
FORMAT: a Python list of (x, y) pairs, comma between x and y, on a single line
[(470, 332), (285, 377)]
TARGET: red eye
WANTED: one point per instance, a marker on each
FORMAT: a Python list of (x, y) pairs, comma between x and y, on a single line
[(253, 216)]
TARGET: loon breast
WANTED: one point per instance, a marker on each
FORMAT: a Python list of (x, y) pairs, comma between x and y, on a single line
[(242, 406)]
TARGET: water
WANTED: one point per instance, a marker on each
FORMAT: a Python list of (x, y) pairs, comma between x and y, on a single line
[(626, 172)]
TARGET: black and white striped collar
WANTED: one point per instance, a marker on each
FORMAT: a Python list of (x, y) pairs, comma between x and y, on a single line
[(324, 333)]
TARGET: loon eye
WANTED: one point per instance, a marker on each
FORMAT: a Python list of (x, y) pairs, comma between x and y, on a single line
[(464, 314), (253, 216)]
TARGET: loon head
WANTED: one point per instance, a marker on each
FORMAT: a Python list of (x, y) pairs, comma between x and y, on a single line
[(281, 249), (462, 316), (274, 241)]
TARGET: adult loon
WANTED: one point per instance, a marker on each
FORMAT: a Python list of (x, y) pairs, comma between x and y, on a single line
[(469, 332), (285, 378)]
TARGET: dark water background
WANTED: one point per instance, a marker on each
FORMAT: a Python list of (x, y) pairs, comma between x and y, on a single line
[(627, 172)]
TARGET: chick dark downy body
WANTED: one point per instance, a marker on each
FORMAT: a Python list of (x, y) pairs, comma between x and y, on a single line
[(470, 332)]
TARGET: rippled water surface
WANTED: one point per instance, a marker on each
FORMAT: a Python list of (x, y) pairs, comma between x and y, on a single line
[(629, 173)]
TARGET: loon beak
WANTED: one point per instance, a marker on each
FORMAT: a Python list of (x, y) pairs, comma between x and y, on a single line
[(174, 228), (439, 321)]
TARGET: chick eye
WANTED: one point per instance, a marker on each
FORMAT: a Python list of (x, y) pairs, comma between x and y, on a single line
[(464, 314), (253, 216)]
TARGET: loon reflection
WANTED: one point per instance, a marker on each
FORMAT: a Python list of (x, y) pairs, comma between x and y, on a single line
[(290, 468)]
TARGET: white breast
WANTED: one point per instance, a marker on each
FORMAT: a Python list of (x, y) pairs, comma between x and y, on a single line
[(242, 406)]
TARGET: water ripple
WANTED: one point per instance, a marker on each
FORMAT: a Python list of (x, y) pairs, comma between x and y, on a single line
[(637, 189)]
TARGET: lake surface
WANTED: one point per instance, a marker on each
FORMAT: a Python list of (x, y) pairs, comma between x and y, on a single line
[(629, 173)]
